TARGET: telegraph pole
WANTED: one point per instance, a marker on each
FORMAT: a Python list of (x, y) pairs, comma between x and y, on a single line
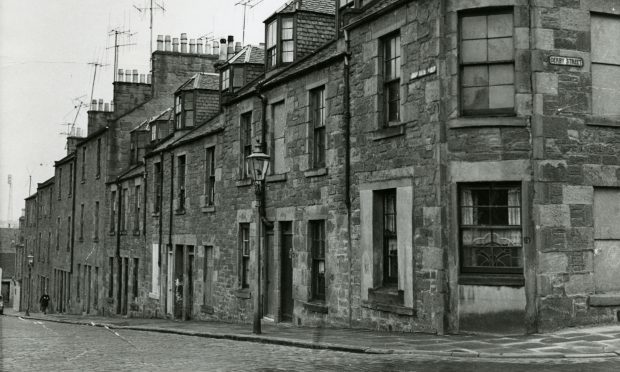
[(246, 4)]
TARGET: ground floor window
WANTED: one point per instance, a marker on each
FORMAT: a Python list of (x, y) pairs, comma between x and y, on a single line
[(490, 230), (317, 239), (244, 235)]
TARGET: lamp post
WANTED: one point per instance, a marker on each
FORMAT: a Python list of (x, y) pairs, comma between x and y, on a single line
[(259, 162), (30, 263)]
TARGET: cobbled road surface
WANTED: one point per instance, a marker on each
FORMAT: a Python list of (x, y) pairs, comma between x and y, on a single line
[(31, 345)]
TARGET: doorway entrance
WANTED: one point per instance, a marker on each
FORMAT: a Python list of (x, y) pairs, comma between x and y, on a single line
[(286, 272)]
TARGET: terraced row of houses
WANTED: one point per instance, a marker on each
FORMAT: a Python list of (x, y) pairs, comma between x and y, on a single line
[(435, 166)]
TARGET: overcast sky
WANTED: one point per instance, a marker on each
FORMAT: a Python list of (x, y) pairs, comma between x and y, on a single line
[(45, 51)]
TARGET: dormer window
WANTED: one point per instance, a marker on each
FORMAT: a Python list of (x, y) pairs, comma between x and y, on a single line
[(153, 132), (232, 77), (225, 80), (184, 110), (280, 41)]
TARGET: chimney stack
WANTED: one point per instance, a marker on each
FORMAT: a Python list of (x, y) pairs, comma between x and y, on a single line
[(184, 43), (160, 42), (192, 46), (175, 44), (231, 46), (222, 49), (167, 43)]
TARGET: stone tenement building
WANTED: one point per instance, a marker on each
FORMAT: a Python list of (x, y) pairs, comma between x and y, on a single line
[(436, 166)]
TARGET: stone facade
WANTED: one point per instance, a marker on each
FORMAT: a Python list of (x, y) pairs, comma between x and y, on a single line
[(434, 166)]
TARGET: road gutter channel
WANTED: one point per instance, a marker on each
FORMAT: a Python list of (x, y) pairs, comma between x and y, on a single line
[(331, 346)]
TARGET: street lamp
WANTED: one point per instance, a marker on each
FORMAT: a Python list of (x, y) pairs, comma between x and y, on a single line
[(259, 161), (30, 263)]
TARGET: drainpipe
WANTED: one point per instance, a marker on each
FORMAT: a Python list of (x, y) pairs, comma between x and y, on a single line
[(171, 210), (73, 220), (346, 104), (161, 218), (119, 260)]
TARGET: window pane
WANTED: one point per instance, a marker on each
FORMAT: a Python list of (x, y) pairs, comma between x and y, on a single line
[(500, 25), (287, 51), (502, 96), (500, 49), (287, 29), (501, 74), (475, 98), (475, 76), (605, 45), (271, 34), (474, 51), (188, 101), (474, 27)]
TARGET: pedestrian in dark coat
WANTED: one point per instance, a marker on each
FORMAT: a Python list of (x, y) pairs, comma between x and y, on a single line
[(44, 301)]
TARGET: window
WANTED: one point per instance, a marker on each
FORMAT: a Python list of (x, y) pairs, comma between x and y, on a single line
[(81, 222), (59, 183), (210, 175), (272, 44), (58, 233), (237, 77), (317, 117), (98, 157), (178, 112), (184, 110), (113, 202), (153, 132), (49, 244), (70, 178), (277, 141), (68, 233), (490, 228), (79, 281), (391, 78), (605, 65), (111, 278), (96, 219), (157, 187), (155, 270), (124, 209), (137, 202), (207, 270), (317, 241), (84, 163), (390, 241), (246, 143), (225, 79), (287, 40), (244, 235), (181, 182), (487, 64)]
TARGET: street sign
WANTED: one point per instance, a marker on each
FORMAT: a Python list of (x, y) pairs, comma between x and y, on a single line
[(566, 61)]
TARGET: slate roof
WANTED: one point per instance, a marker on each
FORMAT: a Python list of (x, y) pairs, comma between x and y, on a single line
[(324, 53), (249, 54), (164, 115), (317, 6), (133, 172), (201, 80)]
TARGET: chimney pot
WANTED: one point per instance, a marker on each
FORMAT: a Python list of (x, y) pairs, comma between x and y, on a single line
[(160, 42), (100, 104), (93, 105), (183, 43), (175, 44), (192, 45), (135, 76), (142, 78), (199, 47), (223, 49), (121, 75), (238, 47), (167, 43), (106, 107), (213, 48), (231, 38), (148, 78)]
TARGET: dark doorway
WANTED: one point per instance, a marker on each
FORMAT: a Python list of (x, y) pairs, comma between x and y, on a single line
[(286, 270), (125, 284), (270, 274), (89, 283), (178, 282), (189, 304)]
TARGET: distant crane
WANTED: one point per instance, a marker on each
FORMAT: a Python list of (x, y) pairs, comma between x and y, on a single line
[(246, 4)]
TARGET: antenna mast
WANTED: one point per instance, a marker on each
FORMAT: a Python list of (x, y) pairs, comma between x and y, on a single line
[(246, 4), (10, 214), (92, 89), (154, 6), (117, 32)]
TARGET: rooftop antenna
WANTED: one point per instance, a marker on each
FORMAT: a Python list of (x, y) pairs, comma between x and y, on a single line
[(117, 32), (154, 6), (246, 4), (78, 106), (10, 214), (92, 89)]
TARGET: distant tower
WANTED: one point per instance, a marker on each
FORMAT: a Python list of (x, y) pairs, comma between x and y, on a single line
[(10, 214)]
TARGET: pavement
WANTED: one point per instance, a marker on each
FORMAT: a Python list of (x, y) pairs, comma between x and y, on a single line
[(579, 342)]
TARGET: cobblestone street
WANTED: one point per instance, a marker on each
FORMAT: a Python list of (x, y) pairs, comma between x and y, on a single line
[(28, 345)]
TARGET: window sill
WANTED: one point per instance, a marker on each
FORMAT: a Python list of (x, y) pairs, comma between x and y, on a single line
[(388, 132), (601, 121), (208, 209), (503, 280), (317, 306), (244, 182), (315, 172), (179, 212), (604, 300), (243, 293), (498, 121), (276, 178), (155, 214), (206, 309)]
